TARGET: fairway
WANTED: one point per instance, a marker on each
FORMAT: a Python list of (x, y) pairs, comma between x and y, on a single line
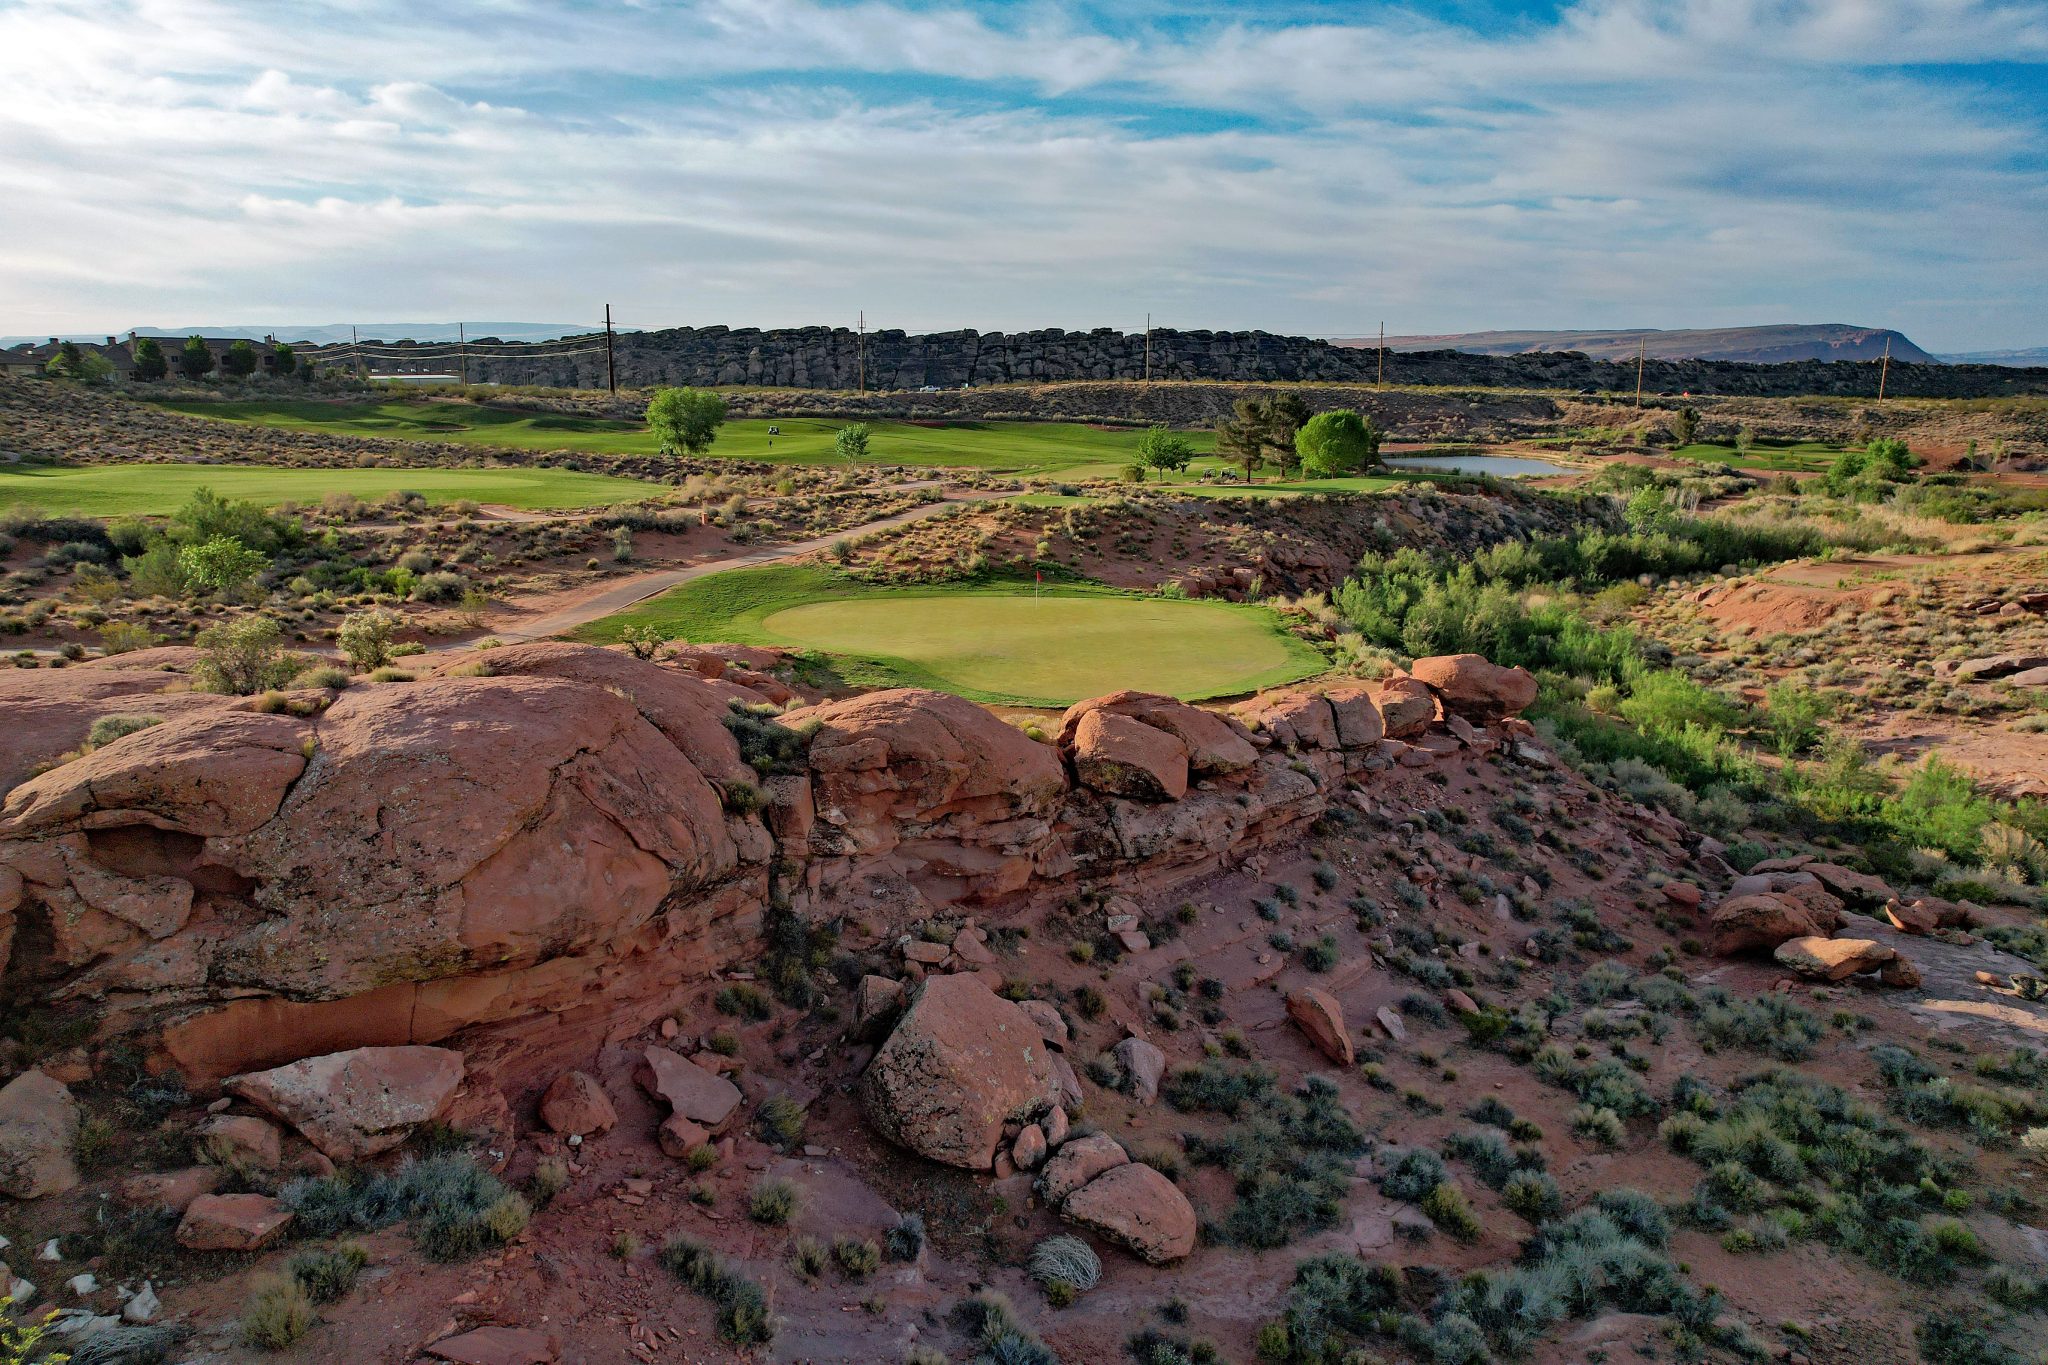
[(112, 490), (1070, 448), (990, 643)]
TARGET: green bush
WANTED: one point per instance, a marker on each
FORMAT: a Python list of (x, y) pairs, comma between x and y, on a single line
[(773, 1201), (278, 1314), (742, 1305), (328, 1275)]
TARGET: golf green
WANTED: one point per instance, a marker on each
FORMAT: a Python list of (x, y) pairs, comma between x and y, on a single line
[(1000, 643), (110, 490)]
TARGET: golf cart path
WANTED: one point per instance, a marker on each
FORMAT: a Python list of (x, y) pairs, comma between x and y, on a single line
[(640, 587)]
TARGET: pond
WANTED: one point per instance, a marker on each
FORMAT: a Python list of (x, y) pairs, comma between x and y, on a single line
[(1499, 466)]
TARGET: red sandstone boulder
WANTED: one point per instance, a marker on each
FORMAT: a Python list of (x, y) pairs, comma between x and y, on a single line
[(1359, 722), (960, 1064), (232, 1222), (497, 1346), (1856, 888), (1137, 1207), (1296, 718), (1474, 688), (576, 1104), (1832, 959), (1121, 756), (1078, 1161), (358, 1103), (1215, 745), (1406, 706), (50, 711), (173, 1190), (239, 1140), (885, 759), (1318, 1015), (38, 1127), (1742, 923), (691, 1091), (1143, 1065)]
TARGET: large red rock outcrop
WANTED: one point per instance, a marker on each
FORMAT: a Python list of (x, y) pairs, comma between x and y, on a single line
[(1474, 688), (960, 1064), (50, 711), (1120, 755), (1216, 745), (358, 1103), (1765, 920)]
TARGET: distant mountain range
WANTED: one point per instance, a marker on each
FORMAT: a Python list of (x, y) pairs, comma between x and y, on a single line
[(2031, 356), (329, 333), (1759, 345)]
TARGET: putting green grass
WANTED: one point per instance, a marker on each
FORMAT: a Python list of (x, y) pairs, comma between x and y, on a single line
[(114, 490), (1002, 447), (998, 643), (1767, 453)]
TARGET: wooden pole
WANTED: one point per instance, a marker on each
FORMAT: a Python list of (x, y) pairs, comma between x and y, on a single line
[(1884, 368), (1148, 348), (462, 350), (1383, 356), (860, 354), (611, 374), (1641, 342)]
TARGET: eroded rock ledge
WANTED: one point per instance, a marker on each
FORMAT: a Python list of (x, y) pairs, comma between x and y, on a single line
[(554, 854)]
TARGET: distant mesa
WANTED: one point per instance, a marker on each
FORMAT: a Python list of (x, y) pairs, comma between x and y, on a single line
[(1757, 345), (328, 334), (2025, 358)]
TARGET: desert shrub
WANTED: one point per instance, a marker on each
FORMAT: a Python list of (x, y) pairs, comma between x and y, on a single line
[(773, 1201), (1448, 1208), (767, 745), (743, 1000), (457, 1208), (742, 1305), (1764, 1023), (107, 729), (858, 1257), (781, 1121), (1533, 1195), (440, 586), (1963, 1339), (991, 1322), (243, 657), (905, 1241), (328, 1275), (366, 636), (326, 676), (1491, 1159), (278, 1314), (1603, 1126), (1213, 1087), (1412, 1175), (807, 1257), (1066, 1259), (1290, 1165)]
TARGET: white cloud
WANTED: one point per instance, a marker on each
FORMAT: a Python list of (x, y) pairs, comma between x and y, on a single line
[(787, 161)]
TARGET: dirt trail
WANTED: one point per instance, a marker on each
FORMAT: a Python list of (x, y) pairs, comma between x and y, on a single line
[(564, 617)]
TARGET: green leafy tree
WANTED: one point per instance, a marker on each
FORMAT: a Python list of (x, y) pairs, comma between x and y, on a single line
[(1286, 414), (149, 359), (685, 421), (1165, 450), (244, 656), (68, 363), (240, 361), (223, 564), (1333, 444), (287, 358), (206, 515), (1685, 424), (852, 442), (196, 359)]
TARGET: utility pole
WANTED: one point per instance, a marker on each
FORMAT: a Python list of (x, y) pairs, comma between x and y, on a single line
[(462, 350), (1148, 348), (1383, 355), (1884, 368), (1641, 342), (611, 374), (860, 353)]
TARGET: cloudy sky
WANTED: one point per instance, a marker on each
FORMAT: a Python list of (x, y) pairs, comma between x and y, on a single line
[(1302, 167)]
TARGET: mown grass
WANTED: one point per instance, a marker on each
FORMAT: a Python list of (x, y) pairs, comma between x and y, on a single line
[(1008, 447), (115, 490), (1003, 643)]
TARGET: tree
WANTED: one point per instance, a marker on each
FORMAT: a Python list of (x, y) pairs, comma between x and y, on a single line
[(1685, 424), (287, 358), (196, 360), (223, 564), (240, 361), (1241, 437), (685, 421), (852, 442), (1285, 415), (1333, 444), (149, 359), (1165, 450), (365, 636), (68, 363)]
